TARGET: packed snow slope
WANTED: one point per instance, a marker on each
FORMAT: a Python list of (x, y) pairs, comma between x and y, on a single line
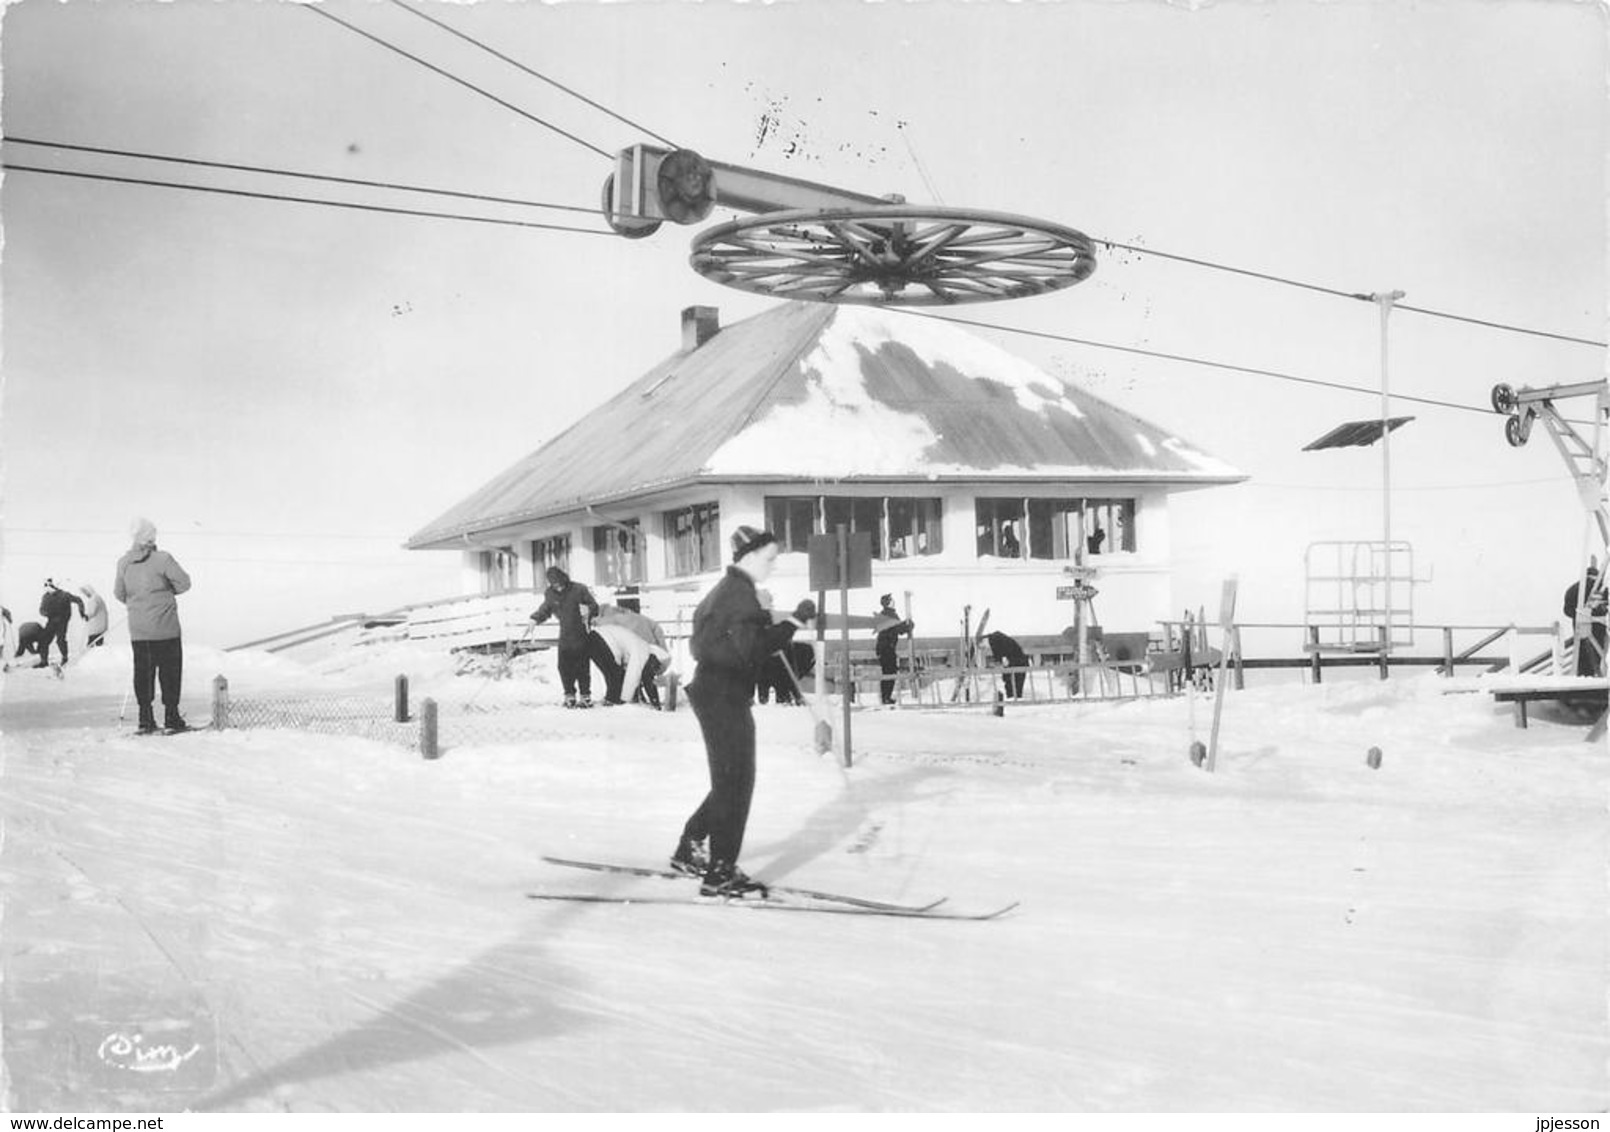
[(264, 920)]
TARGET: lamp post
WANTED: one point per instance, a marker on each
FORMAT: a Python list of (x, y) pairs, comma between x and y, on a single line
[(1385, 301)]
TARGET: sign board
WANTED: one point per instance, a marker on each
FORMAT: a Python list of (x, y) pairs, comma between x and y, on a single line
[(824, 558), (1079, 591)]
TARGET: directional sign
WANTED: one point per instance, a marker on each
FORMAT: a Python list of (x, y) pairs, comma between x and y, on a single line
[(824, 559)]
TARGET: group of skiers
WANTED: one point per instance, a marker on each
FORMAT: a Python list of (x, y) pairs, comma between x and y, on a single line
[(35, 638), (628, 649), (148, 582)]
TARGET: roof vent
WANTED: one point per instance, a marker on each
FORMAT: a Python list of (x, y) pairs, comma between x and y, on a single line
[(699, 325)]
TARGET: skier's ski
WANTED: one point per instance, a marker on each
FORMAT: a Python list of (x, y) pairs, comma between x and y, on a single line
[(773, 904), (788, 890)]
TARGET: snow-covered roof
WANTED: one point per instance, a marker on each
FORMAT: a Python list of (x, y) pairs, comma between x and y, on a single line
[(816, 391)]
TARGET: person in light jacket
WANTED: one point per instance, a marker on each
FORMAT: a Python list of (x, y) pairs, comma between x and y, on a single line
[(633, 658), (95, 615), (149, 581)]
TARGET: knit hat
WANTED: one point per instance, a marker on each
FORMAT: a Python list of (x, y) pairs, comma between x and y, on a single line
[(748, 539), (144, 532), (887, 599)]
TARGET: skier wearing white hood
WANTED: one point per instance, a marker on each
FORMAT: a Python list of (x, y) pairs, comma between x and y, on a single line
[(149, 582), (94, 614)]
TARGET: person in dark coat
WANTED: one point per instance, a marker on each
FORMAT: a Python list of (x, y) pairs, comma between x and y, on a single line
[(149, 581), (31, 639), (733, 634), (1590, 650), (1011, 655), (891, 627), (56, 607), (775, 682), (575, 607)]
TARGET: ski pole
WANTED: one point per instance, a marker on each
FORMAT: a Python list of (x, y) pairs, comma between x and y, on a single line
[(824, 729)]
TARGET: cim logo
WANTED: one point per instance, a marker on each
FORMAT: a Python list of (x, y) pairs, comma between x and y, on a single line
[(162, 1055), (132, 1052)]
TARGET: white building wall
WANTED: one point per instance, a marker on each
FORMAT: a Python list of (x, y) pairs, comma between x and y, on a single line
[(1134, 589)]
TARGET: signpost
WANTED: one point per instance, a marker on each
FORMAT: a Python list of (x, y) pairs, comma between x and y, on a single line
[(841, 560), (1081, 592)]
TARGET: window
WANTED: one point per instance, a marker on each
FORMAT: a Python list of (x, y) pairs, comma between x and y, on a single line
[(856, 512), (498, 570), (1000, 527), (1054, 528), (792, 518), (546, 552), (914, 527), (693, 539), (617, 551), (901, 527), (1109, 525)]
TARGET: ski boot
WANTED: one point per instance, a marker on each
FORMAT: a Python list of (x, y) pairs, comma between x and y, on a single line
[(727, 881), (148, 723), (690, 858), (172, 724)]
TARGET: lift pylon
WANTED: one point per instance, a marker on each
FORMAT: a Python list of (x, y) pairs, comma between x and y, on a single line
[(1588, 462)]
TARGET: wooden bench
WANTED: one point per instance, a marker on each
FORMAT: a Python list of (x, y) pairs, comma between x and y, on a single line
[(1590, 694)]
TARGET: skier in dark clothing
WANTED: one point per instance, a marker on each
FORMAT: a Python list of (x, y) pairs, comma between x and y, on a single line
[(891, 628), (1590, 647), (1011, 655), (31, 639), (732, 635), (56, 607), (567, 600)]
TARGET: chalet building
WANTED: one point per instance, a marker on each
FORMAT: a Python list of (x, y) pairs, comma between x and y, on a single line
[(981, 479)]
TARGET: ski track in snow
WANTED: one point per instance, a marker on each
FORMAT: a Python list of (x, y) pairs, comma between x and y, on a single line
[(337, 925)]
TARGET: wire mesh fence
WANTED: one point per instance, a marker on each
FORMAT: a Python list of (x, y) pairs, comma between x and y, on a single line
[(369, 715), (478, 707)]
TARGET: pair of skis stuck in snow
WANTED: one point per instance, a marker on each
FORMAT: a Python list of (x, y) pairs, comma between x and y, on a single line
[(782, 898)]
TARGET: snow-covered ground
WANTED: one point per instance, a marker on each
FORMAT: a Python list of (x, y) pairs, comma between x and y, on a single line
[(268, 920)]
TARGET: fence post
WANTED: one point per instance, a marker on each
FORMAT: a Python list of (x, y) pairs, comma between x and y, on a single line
[(1313, 652), (1447, 650), (1240, 672), (220, 703), (672, 683), (401, 697), (427, 729), (1386, 648)]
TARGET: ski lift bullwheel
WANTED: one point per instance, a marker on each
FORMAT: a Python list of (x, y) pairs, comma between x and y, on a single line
[(894, 255)]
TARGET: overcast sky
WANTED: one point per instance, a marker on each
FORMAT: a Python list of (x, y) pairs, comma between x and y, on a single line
[(289, 390)]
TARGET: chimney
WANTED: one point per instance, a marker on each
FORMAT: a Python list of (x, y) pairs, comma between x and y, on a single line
[(699, 325)]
